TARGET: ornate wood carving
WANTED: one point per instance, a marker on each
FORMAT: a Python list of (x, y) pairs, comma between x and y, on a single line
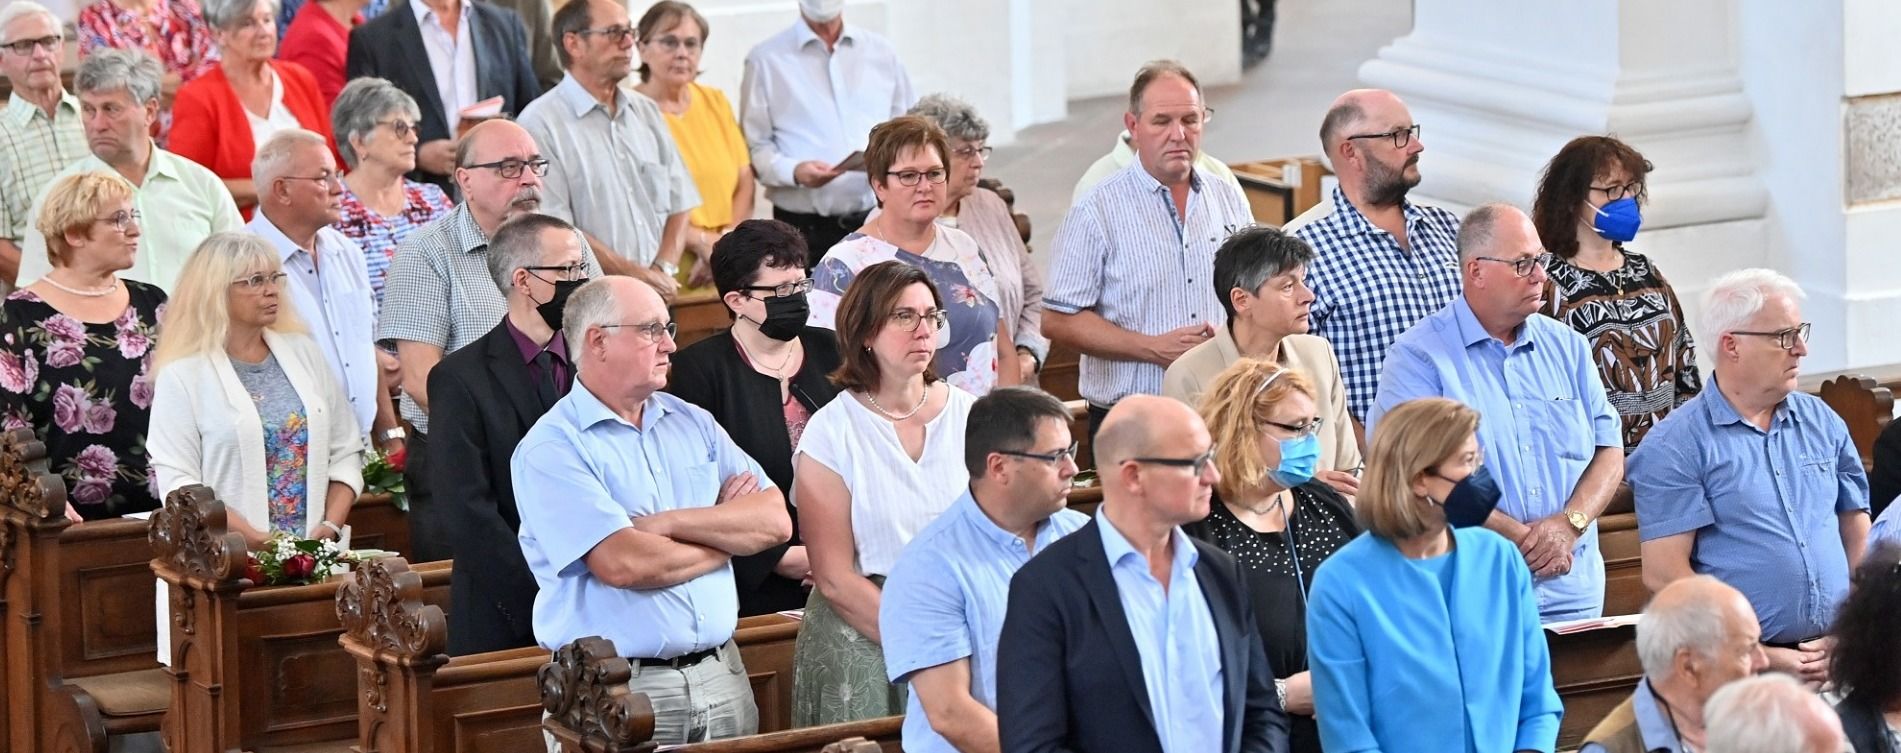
[(584, 690), (374, 683), (188, 534), (380, 606), (25, 483)]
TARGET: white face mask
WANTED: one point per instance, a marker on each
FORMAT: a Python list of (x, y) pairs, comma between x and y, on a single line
[(822, 11)]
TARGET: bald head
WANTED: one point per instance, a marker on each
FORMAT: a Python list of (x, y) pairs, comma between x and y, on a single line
[(501, 147), (1139, 424), (1350, 112), (1699, 634), (1493, 228), (1163, 489)]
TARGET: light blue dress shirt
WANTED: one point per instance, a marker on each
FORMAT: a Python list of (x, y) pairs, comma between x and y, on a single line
[(1887, 528), (579, 475), (945, 600), (1543, 415), (1764, 505), (331, 293), (1175, 635)]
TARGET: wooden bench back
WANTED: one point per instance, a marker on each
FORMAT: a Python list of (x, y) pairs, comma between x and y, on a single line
[(1864, 405)]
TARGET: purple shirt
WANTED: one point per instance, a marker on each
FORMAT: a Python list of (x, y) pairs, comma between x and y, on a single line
[(557, 345)]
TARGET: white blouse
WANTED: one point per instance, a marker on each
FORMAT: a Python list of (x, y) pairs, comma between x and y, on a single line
[(280, 116)]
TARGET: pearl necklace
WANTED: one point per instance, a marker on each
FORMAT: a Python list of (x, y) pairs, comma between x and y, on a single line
[(93, 293), (873, 399)]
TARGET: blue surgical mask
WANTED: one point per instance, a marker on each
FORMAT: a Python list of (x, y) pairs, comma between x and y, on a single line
[(1300, 457), (1617, 221), (1472, 500)]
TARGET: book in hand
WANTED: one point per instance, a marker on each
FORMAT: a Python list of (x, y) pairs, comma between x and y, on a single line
[(853, 161), (487, 109), (1567, 627)]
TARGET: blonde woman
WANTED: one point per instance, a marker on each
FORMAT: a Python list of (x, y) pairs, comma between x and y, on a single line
[(1272, 515)]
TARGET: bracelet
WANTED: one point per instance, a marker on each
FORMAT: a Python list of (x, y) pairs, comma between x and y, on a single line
[(1280, 691)]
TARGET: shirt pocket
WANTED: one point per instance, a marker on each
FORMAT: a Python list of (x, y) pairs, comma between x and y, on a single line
[(1562, 427), (694, 485)]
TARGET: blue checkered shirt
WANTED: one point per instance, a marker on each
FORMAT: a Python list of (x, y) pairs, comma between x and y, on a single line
[(1367, 290)]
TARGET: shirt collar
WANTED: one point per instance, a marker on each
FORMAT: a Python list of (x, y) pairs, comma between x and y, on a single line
[(467, 235), (588, 410), (20, 112), (581, 102), (1653, 723), (1346, 216), (424, 15), (1149, 184), (557, 345), (805, 35), (264, 228), (979, 521), (1118, 548), (1721, 413), (1471, 332)]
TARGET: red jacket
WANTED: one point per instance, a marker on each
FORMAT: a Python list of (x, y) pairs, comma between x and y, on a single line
[(210, 127), (317, 42)]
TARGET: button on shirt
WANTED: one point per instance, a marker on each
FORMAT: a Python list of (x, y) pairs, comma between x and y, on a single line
[(451, 60), (33, 148), (1543, 417), (182, 203), (945, 601), (580, 473), (616, 174), (1175, 635), (1367, 290), (331, 294), (1764, 505), (1125, 253), (800, 102)]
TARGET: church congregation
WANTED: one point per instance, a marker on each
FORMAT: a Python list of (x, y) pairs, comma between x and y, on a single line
[(1357, 481)]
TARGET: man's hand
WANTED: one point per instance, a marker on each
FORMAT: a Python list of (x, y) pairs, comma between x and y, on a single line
[(436, 157), (1026, 365), (1341, 481), (702, 274), (1168, 346), (739, 485), (1547, 546), (815, 174), (1815, 654), (795, 565), (666, 286), (1300, 694)]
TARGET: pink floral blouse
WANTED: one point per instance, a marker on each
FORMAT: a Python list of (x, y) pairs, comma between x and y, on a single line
[(174, 32)]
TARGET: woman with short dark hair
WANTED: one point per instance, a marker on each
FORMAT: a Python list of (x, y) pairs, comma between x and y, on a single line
[(1865, 663)]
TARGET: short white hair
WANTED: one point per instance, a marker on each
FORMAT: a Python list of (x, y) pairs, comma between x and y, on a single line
[(1735, 298), (1695, 624), (591, 305), (1762, 714), (273, 157), (18, 9)]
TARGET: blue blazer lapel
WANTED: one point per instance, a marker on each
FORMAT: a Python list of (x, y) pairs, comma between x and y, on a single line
[(491, 66), (1100, 583), (1217, 588)]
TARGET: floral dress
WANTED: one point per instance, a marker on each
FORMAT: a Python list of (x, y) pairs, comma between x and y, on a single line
[(86, 391), (379, 235), (174, 32)]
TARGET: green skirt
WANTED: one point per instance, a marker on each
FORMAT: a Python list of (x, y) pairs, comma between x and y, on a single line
[(839, 675)]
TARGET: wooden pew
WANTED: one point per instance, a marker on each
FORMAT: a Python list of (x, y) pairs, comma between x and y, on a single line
[(1278, 190), (1593, 671), (1864, 405)]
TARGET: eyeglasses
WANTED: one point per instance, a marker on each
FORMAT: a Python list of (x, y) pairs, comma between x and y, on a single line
[(781, 290), (671, 43), (907, 320), (1310, 428), (969, 152), (911, 177), (1521, 267), (401, 128), (650, 330), (616, 33), (1057, 457), (1196, 465), (326, 179), (259, 280), (567, 272), (1400, 136), (26, 47), (123, 219), (511, 168), (1785, 338), (1632, 190)]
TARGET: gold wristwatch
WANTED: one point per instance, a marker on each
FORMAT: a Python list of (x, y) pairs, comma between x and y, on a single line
[(1579, 521)]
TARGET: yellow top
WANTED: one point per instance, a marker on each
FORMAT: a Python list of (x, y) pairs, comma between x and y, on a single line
[(709, 140)]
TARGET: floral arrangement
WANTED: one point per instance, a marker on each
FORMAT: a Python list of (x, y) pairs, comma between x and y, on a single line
[(286, 560), (384, 475)]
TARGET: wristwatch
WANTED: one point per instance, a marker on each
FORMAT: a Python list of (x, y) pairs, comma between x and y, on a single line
[(1579, 521), (393, 432), (671, 269)]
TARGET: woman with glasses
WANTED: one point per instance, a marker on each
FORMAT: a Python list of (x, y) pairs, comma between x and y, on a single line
[(75, 349), (221, 117), (1423, 632), (375, 125), (763, 379), (672, 36), (872, 469), (1270, 513), (1589, 204), (906, 161)]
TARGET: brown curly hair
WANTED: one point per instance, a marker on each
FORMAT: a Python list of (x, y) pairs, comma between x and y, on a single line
[(1866, 660), (1566, 185)]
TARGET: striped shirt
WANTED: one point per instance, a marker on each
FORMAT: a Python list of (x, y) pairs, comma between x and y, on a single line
[(34, 148), (1367, 290), (1124, 253)]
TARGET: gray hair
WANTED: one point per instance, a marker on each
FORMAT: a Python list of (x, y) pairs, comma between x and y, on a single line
[(517, 244), (21, 9), (591, 305), (109, 70), (1253, 255), (1338, 118), (1694, 624), (362, 104), (221, 14), (273, 157), (955, 117), (1762, 714), (1479, 227), (1735, 298), (1153, 70)]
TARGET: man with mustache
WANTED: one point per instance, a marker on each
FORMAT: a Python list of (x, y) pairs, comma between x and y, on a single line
[(1381, 263), (440, 295), (40, 131), (614, 170), (1548, 434)]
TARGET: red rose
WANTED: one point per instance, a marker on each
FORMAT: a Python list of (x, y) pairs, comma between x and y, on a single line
[(300, 567), (252, 571), (399, 460)]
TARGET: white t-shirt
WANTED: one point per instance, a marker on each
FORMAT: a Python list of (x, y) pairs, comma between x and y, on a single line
[(892, 496), (280, 119)]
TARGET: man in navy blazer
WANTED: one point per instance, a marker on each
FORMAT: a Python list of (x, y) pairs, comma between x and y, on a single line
[(1129, 636)]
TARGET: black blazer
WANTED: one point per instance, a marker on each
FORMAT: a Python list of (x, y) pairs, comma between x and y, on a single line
[(1069, 677), (712, 374), (481, 403), (390, 46)]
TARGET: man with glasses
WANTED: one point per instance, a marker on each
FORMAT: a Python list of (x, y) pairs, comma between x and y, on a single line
[(614, 170), (1130, 287), (1130, 635), (1381, 263), (40, 130), (1754, 481), (440, 295), (183, 203), (944, 600), (633, 504), (1552, 440)]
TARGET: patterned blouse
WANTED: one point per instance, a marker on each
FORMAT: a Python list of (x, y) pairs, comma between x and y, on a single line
[(1637, 332), (379, 235), (174, 32), (967, 353), (286, 442), (86, 391)]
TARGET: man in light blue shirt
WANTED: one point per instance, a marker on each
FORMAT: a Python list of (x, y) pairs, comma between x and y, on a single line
[(1547, 431), (1753, 481), (944, 600), (633, 503)]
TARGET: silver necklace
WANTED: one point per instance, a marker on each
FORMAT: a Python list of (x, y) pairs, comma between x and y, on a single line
[(873, 399), (777, 371), (93, 293)]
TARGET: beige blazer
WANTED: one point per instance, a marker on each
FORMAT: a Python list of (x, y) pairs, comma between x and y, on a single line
[(1191, 374)]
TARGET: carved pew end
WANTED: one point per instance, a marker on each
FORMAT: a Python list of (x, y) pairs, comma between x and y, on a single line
[(590, 710)]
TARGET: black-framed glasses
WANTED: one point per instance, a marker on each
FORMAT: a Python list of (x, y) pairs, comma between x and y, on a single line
[(616, 33), (911, 177), (401, 128), (123, 219), (969, 152), (259, 280), (1196, 465), (566, 272), (1522, 266), (1399, 136), (781, 290), (1629, 190), (511, 168), (25, 47), (1057, 457), (671, 43), (650, 330), (1786, 339), (326, 179), (907, 320), (1298, 430)]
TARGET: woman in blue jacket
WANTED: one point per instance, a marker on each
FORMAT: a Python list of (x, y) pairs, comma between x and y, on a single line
[(1423, 634)]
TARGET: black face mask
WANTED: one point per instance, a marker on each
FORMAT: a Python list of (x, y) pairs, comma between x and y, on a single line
[(785, 316), (1472, 500), (551, 310)]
